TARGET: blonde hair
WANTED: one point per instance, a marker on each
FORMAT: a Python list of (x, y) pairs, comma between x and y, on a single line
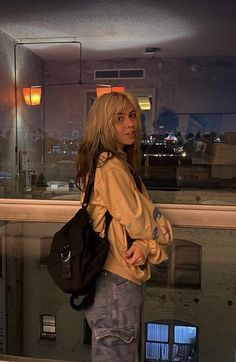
[(99, 134)]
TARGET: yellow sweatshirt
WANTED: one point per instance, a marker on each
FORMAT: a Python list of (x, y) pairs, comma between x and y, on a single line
[(132, 212)]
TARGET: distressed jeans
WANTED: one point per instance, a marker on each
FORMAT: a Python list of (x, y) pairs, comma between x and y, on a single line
[(115, 319)]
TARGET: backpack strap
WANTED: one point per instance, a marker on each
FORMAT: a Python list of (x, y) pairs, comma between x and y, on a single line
[(86, 199), (85, 203), (108, 216), (87, 193)]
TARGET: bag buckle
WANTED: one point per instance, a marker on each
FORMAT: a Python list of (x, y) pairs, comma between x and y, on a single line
[(66, 254), (66, 265)]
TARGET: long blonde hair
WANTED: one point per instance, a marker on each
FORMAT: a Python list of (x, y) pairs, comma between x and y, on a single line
[(99, 134)]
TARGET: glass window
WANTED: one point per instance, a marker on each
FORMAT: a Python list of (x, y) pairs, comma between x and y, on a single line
[(186, 157), (180, 342), (157, 332), (157, 337), (183, 334), (28, 292), (192, 156)]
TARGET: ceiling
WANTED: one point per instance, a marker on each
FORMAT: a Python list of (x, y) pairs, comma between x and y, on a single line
[(111, 29)]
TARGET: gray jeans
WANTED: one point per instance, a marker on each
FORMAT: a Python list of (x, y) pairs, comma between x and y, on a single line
[(115, 319)]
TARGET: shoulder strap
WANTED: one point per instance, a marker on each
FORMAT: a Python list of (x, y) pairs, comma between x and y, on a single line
[(87, 193), (89, 185)]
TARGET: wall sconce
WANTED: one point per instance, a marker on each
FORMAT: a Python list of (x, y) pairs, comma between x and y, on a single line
[(32, 95), (103, 90), (144, 103)]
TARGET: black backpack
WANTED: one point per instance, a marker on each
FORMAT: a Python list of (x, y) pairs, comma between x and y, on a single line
[(77, 256)]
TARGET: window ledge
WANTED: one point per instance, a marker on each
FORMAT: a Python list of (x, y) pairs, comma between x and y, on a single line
[(180, 215)]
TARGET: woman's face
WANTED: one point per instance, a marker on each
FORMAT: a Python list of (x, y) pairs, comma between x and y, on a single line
[(126, 126)]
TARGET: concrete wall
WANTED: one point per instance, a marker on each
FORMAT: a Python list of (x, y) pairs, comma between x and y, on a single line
[(210, 89)]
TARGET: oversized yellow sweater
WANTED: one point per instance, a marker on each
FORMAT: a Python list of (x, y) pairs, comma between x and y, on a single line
[(132, 212)]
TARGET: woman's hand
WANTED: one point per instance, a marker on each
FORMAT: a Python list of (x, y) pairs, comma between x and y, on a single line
[(134, 256)]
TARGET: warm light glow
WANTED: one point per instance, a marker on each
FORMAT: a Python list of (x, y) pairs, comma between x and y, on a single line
[(32, 95), (103, 90), (144, 103), (118, 89)]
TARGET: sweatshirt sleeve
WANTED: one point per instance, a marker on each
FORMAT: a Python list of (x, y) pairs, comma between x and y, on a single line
[(155, 251), (125, 203)]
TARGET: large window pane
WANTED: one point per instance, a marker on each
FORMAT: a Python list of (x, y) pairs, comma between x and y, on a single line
[(37, 320), (184, 334), (190, 158), (157, 332), (186, 157), (156, 352)]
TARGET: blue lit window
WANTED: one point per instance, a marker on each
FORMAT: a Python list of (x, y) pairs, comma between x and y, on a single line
[(170, 342)]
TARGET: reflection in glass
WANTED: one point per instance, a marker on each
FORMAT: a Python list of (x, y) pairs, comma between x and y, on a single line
[(37, 321), (191, 152), (182, 269), (181, 153)]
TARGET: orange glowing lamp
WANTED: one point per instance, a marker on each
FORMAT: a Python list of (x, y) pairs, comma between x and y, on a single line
[(118, 89), (103, 90), (32, 95)]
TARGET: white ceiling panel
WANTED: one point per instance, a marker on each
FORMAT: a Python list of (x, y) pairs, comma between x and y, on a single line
[(120, 29)]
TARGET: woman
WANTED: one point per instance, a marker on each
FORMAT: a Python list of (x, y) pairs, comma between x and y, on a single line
[(110, 153)]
